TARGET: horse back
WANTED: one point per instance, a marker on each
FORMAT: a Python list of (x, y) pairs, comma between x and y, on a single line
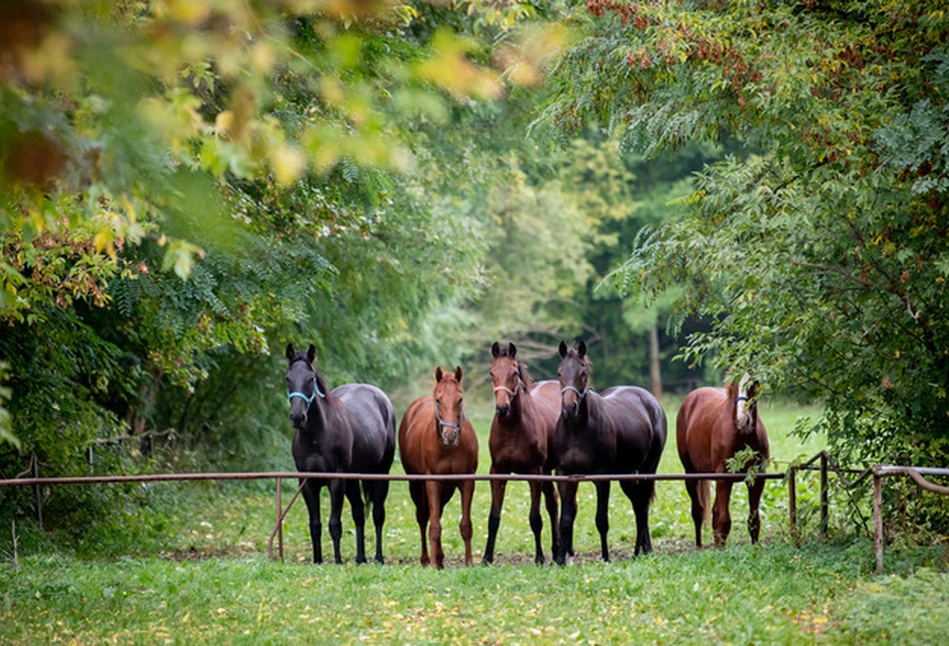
[(372, 420), (705, 431), (640, 426)]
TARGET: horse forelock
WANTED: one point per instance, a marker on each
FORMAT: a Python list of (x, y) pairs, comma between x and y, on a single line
[(300, 356)]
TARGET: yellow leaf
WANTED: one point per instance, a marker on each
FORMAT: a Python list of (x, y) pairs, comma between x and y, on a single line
[(287, 164), (224, 120), (103, 239)]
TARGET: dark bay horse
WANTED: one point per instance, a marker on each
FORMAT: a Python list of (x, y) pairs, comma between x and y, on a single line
[(621, 430), (435, 437), (521, 441), (349, 429), (714, 424)]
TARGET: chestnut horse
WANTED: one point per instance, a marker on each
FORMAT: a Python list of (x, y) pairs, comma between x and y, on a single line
[(351, 428), (621, 430), (435, 437), (714, 424), (521, 441)]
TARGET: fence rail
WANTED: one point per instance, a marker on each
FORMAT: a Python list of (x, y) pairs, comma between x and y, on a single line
[(821, 461)]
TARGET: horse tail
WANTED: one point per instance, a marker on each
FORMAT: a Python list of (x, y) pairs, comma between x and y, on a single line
[(703, 490)]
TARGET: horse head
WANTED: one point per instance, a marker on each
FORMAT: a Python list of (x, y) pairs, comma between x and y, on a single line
[(506, 377), (302, 386), (574, 374), (745, 398), (448, 398)]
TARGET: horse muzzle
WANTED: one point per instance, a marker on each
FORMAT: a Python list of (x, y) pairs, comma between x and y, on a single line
[(503, 410), (298, 420), (570, 411), (450, 437)]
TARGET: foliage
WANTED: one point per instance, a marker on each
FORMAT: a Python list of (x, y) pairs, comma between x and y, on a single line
[(819, 253)]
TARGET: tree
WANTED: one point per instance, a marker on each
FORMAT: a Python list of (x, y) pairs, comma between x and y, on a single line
[(821, 252)]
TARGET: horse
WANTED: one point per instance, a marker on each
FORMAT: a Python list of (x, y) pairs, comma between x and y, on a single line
[(621, 430), (349, 429), (435, 437), (714, 424), (521, 441)]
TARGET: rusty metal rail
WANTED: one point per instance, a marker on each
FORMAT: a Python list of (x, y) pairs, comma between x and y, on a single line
[(877, 472), (279, 476)]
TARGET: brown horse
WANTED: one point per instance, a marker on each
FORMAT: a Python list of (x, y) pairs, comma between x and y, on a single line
[(521, 441), (435, 437), (714, 424)]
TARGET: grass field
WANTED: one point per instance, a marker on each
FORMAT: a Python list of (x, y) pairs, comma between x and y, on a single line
[(208, 580)]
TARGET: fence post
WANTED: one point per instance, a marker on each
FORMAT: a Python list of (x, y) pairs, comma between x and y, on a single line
[(878, 520), (37, 493), (792, 503), (823, 493), (279, 521)]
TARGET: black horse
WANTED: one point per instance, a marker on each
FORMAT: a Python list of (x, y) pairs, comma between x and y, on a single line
[(349, 429), (622, 430)]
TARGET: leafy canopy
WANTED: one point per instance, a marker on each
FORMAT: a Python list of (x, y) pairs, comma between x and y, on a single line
[(821, 253)]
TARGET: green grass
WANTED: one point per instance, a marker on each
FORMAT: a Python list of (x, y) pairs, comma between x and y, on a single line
[(194, 570), (743, 594)]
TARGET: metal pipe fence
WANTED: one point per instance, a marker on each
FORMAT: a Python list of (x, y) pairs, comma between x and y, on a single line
[(825, 464)]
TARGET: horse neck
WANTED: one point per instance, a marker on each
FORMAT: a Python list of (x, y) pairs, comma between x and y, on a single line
[(589, 411), (523, 410), (320, 416)]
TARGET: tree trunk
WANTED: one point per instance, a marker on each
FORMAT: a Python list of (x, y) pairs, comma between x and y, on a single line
[(655, 374)]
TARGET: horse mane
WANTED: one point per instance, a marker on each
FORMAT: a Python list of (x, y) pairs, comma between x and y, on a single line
[(525, 376)]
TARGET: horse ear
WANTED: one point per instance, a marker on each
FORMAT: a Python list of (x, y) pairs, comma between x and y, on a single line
[(495, 350), (458, 374), (731, 390), (582, 349), (438, 373), (563, 349), (290, 352), (311, 354), (512, 350)]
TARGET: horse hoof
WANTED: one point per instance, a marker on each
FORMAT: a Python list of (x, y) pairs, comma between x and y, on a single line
[(360, 561)]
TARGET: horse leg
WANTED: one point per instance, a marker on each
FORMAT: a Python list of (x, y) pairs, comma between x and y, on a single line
[(754, 502), (494, 518), (550, 501), (420, 498), (467, 494), (721, 519), (311, 495), (434, 492), (379, 491), (336, 488), (640, 494), (698, 510), (603, 516), (359, 517), (568, 513), (537, 523)]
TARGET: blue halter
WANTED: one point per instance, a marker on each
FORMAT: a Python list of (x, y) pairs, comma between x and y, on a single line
[(308, 400)]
